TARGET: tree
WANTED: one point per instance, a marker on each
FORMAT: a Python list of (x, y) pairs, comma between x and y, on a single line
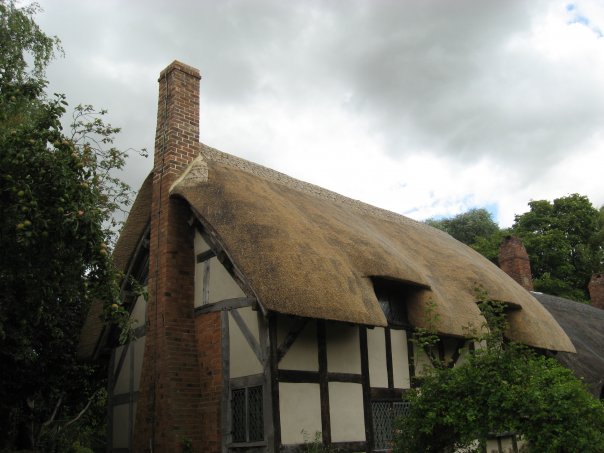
[(501, 387), (565, 243), (475, 228), (57, 195)]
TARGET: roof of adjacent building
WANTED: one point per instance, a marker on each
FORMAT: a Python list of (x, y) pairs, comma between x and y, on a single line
[(584, 325)]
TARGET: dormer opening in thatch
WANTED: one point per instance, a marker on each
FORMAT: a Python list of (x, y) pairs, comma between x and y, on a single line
[(395, 296)]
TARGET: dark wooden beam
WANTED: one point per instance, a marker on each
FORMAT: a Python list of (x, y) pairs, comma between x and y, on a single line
[(384, 394), (226, 304), (314, 377), (204, 256), (323, 382), (410, 354), (225, 356), (269, 428), (299, 376), (345, 377), (205, 295), (367, 413), (273, 363), (389, 367)]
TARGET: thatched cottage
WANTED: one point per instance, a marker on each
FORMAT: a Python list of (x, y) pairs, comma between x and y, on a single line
[(277, 309)]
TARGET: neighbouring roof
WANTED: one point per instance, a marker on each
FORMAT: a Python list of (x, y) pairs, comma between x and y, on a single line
[(130, 235), (310, 252), (584, 325)]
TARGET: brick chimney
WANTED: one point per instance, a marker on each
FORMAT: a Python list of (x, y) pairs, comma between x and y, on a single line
[(169, 410), (596, 290), (514, 261)]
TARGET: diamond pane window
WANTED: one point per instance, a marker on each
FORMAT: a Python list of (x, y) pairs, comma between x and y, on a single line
[(385, 413), (247, 414)]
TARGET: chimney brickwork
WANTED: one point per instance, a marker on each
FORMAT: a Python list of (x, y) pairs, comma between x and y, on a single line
[(514, 261), (170, 411), (596, 290)]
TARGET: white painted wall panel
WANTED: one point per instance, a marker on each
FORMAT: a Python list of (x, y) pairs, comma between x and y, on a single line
[(122, 379), (303, 354), (199, 244), (138, 314), (376, 346), (400, 360), (243, 360), (343, 350), (138, 351), (121, 426), (300, 410), (346, 412), (198, 297), (222, 285)]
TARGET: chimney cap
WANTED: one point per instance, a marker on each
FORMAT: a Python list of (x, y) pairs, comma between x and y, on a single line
[(179, 66)]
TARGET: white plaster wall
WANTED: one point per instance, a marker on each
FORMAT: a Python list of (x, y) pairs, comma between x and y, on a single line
[(199, 244), (222, 285), (400, 359), (300, 410), (138, 351), (138, 314), (121, 425), (198, 296), (346, 412), (303, 354), (122, 380), (343, 350), (243, 360), (376, 346)]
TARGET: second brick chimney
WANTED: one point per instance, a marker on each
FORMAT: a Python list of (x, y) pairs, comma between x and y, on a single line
[(596, 290), (514, 261)]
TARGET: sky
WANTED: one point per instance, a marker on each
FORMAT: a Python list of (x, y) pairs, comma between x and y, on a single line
[(427, 108)]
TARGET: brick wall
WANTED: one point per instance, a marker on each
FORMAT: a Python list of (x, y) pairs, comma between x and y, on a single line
[(596, 290), (207, 327), (514, 261), (170, 403)]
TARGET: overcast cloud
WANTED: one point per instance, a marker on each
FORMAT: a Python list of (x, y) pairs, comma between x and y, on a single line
[(426, 108)]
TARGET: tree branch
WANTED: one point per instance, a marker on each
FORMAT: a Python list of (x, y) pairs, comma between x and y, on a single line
[(82, 412)]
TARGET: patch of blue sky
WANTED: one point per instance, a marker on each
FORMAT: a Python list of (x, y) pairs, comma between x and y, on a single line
[(578, 18), (493, 210)]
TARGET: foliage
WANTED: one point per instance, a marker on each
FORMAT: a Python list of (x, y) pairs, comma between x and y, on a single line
[(565, 242), (475, 228), (57, 195), (502, 387)]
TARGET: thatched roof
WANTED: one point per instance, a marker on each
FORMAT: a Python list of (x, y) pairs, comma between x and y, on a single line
[(584, 325), (310, 252)]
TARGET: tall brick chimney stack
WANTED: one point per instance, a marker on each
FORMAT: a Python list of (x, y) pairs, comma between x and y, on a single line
[(596, 290), (514, 261), (169, 403)]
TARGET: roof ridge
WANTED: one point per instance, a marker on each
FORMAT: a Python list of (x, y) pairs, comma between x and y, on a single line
[(277, 177)]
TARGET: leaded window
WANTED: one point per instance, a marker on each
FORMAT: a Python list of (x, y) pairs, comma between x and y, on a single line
[(385, 414), (247, 414)]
